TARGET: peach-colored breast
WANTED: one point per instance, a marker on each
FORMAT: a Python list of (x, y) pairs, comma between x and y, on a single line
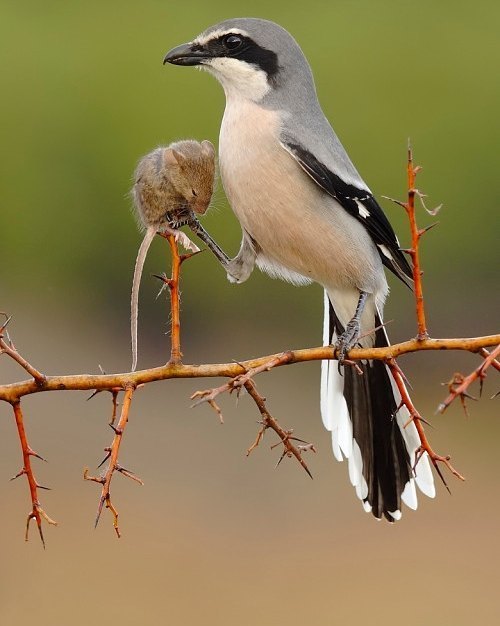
[(296, 224)]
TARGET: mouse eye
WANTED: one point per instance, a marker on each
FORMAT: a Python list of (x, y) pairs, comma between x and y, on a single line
[(194, 193), (231, 42)]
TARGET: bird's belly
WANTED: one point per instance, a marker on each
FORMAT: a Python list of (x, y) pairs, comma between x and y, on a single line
[(295, 224)]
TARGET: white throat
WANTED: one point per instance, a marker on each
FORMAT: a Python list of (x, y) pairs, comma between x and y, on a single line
[(240, 80)]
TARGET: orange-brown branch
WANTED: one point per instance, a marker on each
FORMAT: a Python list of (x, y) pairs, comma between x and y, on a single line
[(38, 377), (417, 419), (36, 513), (495, 363), (286, 436), (460, 384), (416, 234), (86, 382), (113, 465), (173, 284)]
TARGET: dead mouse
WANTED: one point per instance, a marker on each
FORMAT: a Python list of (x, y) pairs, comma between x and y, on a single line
[(171, 185)]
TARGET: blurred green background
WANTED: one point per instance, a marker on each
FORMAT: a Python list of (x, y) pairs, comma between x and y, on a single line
[(214, 538)]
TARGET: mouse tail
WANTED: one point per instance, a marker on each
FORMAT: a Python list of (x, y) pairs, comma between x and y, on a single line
[(134, 300)]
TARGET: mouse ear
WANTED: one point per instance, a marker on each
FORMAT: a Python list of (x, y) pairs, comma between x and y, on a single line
[(173, 157), (207, 148)]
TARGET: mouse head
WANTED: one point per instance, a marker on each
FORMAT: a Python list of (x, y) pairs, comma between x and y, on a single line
[(191, 167)]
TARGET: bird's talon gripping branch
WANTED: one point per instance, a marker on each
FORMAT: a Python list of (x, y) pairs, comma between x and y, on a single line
[(350, 336)]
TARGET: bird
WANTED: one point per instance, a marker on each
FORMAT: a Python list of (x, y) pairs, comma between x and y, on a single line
[(308, 216)]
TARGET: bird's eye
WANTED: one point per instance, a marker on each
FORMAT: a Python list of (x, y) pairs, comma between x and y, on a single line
[(231, 42)]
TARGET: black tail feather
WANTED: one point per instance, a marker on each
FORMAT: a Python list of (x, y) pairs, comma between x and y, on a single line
[(372, 408)]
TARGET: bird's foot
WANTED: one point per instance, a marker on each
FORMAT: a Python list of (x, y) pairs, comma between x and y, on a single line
[(238, 271), (347, 340)]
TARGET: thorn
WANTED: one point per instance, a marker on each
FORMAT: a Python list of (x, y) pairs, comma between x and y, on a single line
[(99, 510), (419, 418), (440, 474), (398, 202), (164, 278), (7, 320), (188, 255), (285, 453), (422, 231), (35, 454), (108, 451), (465, 394), (20, 473), (129, 474), (117, 431), (94, 393), (42, 487)]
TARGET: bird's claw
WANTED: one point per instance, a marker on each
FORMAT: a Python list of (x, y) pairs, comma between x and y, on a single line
[(347, 340)]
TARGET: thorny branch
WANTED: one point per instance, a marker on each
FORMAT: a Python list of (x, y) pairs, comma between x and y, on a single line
[(267, 421), (241, 376), (10, 350), (416, 235), (286, 436), (113, 465), (459, 384), (417, 419), (36, 513), (173, 284)]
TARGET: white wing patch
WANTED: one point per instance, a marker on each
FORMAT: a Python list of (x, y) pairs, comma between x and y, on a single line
[(363, 211), (385, 251)]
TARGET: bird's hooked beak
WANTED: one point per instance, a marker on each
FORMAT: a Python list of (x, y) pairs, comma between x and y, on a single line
[(186, 54)]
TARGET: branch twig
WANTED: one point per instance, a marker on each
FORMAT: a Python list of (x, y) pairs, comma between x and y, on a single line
[(417, 419), (286, 436), (87, 382), (113, 465), (36, 513), (10, 350), (416, 234), (175, 300), (460, 384)]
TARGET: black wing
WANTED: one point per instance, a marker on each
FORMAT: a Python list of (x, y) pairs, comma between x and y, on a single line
[(360, 204)]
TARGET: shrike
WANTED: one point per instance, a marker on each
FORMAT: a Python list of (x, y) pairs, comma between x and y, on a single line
[(307, 215)]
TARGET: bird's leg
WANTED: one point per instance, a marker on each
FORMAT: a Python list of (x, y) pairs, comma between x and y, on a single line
[(198, 230), (348, 338), (240, 268)]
